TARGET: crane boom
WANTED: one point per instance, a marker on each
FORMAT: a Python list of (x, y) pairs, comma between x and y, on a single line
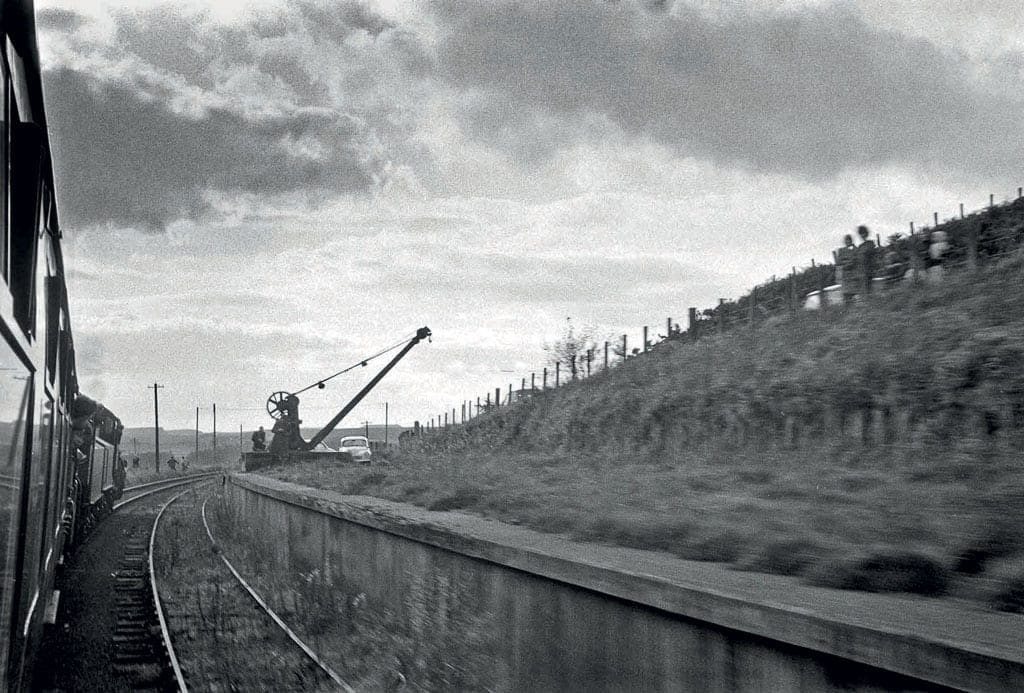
[(421, 334)]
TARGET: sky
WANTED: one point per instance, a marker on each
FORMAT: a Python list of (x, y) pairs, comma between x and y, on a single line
[(256, 195)]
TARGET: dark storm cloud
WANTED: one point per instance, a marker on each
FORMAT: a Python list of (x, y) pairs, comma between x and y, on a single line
[(59, 19), (338, 20), (180, 106), (125, 158), (807, 92)]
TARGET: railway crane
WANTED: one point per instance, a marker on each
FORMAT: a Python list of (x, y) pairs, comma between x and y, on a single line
[(283, 406)]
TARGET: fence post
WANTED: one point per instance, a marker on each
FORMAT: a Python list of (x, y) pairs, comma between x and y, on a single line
[(624, 347), (523, 385), (645, 339), (911, 228), (545, 382), (822, 296), (668, 327), (720, 314), (935, 215), (533, 382), (692, 327), (558, 373), (478, 406), (972, 247), (792, 291), (510, 393), (497, 397), (1020, 193), (590, 357), (606, 355), (961, 210), (916, 263)]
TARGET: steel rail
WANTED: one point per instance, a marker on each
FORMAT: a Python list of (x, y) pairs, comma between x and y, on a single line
[(164, 632), (197, 475), (167, 485), (273, 615)]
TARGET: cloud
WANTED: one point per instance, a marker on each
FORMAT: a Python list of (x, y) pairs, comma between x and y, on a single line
[(169, 112), (127, 159), (59, 19), (808, 92)]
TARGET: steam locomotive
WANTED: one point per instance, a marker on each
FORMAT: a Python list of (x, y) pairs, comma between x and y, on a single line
[(59, 458)]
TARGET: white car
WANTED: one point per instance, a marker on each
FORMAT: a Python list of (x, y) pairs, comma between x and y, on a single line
[(358, 447)]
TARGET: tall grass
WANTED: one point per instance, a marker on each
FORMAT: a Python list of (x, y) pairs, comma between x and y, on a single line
[(736, 448)]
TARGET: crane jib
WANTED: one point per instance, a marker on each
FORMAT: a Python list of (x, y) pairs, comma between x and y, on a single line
[(284, 406)]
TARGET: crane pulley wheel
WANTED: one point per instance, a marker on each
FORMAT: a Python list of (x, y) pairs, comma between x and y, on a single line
[(276, 404)]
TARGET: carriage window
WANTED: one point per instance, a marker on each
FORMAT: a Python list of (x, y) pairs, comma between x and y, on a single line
[(25, 158), (5, 112), (15, 396), (38, 528)]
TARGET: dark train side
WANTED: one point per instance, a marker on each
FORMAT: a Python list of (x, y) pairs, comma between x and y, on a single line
[(59, 459)]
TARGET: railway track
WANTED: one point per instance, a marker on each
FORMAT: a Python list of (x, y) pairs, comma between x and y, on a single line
[(215, 621), (142, 647), (111, 639)]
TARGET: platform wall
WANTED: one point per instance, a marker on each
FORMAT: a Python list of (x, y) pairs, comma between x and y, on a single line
[(564, 626)]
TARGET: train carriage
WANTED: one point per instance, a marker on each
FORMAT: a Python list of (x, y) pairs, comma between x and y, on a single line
[(45, 495)]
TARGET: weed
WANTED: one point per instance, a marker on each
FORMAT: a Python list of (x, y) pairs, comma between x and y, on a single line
[(1006, 592), (365, 483), (785, 557), (884, 571), (463, 497)]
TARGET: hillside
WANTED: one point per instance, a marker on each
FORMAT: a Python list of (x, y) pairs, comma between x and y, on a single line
[(870, 447)]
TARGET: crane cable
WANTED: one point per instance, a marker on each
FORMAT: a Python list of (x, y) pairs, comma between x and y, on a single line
[(357, 364)]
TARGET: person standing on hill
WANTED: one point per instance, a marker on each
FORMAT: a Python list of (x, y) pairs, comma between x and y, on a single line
[(847, 268), (866, 255), (259, 440)]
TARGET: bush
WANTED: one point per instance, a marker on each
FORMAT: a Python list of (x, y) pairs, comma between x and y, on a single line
[(785, 557), (463, 497), (365, 483), (725, 546), (993, 541), (1007, 591), (885, 571)]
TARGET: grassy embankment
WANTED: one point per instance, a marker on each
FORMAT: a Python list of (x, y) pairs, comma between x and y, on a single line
[(685, 449)]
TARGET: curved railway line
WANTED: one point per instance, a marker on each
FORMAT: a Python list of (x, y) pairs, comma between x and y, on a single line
[(213, 622), (341, 684), (136, 614)]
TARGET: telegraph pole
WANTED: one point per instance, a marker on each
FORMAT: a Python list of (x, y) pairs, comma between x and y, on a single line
[(385, 424), (156, 422), (215, 432)]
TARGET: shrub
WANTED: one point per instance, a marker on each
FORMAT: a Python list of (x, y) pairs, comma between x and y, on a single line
[(365, 482), (785, 557), (463, 497), (993, 541), (723, 546), (1007, 591), (888, 570), (637, 531)]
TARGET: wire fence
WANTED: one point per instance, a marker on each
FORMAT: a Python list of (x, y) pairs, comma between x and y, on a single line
[(924, 254)]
